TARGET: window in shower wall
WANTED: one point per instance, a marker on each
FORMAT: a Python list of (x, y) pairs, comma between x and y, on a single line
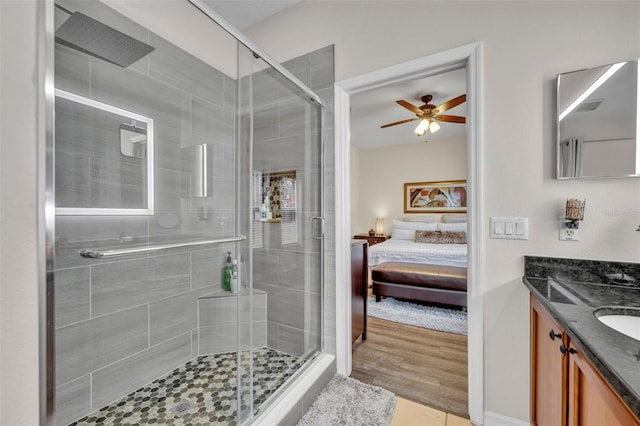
[(274, 201), (154, 335)]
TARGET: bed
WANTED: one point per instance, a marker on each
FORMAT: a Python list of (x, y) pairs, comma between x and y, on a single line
[(408, 251), (407, 267), (402, 246)]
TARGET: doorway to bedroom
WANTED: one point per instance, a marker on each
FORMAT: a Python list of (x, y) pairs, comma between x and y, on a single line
[(408, 202)]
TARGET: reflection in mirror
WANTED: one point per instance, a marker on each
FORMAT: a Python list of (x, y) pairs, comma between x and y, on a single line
[(102, 166), (597, 122), (133, 140)]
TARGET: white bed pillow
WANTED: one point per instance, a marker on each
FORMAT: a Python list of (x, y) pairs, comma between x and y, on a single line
[(420, 218), (407, 230), (404, 234), (452, 226), (415, 226), (454, 217)]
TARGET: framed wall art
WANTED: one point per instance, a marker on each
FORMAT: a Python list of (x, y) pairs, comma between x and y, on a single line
[(435, 197)]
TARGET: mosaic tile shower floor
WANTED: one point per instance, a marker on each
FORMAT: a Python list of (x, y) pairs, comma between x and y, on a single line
[(204, 388)]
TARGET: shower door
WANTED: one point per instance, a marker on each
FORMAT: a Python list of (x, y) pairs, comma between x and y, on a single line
[(280, 164)]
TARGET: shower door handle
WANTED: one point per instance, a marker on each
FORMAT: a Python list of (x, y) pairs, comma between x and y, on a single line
[(321, 220)]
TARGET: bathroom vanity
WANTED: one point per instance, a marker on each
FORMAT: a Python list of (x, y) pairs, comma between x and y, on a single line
[(583, 372)]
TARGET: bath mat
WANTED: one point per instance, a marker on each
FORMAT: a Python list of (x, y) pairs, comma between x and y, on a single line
[(432, 317), (348, 402)]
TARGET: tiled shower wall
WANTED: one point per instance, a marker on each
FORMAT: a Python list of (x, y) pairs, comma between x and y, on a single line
[(124, 322)]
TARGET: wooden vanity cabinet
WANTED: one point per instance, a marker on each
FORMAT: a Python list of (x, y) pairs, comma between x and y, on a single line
[(565, 387), (548, 369), (592, 402)]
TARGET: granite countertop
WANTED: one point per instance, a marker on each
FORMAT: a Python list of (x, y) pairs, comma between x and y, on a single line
[(571, 290)]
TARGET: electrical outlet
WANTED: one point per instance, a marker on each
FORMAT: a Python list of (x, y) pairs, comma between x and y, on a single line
[(567, 234)]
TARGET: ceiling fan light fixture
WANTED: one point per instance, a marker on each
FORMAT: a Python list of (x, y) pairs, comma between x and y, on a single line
[(427, 114), (422, 128)]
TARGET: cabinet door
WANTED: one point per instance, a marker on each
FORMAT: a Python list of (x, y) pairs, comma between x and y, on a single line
[(591, 400), (548, 369), (359, 274)]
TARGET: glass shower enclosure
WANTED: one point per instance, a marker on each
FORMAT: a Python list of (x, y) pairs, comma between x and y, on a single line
[(187, 269)]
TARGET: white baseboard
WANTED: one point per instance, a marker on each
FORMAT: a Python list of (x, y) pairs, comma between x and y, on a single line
[(495, 419)]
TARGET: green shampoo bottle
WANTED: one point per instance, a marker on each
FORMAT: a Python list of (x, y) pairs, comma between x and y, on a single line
[(227, 273)]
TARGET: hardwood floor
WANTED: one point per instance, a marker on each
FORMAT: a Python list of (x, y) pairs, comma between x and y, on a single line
[(425, 366)]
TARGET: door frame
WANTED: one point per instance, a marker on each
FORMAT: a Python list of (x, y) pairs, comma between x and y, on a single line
[(468, 56)]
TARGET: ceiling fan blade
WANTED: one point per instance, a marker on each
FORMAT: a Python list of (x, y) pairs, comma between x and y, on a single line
[(450, 104), (399, 122), (410, 107), (450, 118)]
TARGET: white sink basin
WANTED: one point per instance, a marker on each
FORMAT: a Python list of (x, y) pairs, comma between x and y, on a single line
[(624, 320)]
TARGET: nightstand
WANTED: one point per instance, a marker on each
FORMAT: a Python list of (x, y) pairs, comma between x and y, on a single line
[(372, 239)]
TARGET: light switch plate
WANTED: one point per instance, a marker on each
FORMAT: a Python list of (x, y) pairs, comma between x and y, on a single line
[(511, 228)]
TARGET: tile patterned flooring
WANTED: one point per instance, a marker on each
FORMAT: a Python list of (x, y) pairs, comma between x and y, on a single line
[(409, 413), (201, 392)]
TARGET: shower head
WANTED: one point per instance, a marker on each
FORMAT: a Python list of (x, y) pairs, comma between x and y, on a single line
[(94, 38)]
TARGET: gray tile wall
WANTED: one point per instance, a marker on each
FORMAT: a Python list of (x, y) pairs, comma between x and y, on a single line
[(218, 322), (122, 323)]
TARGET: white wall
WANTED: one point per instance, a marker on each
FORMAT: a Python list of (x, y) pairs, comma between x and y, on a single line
[(168, 19), (18, 215), (384, 171), (525, 45)]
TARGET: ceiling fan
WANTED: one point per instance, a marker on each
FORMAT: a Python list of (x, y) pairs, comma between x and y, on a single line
[(428, 114)]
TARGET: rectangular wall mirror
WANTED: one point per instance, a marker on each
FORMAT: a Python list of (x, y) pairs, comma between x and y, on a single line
[(597, 122), (104, 158)]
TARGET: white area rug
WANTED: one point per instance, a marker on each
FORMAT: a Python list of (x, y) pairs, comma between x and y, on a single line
[(348, 402), (435, 318)]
